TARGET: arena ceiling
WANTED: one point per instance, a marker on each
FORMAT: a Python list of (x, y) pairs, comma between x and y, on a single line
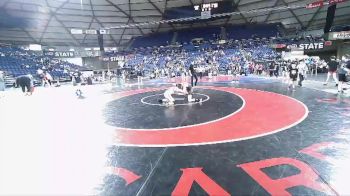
[(48, 22)]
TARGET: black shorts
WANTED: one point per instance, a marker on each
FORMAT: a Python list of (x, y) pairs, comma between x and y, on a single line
[(342, 77), (293, 77), (26, 86)]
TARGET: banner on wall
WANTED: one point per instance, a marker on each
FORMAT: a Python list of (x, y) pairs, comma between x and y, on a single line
[(315, 5), (307, 46), (93, 53), (117, 58), (278, 46), (60, 54), (336, 1), (114, 58), (311, 46), (339, 35)]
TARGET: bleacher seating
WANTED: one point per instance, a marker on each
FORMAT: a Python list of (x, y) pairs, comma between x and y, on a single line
[(153, 51), (239, 32), (175, 58), (207, 33), (16, 61), (159, 39), (235, 32)]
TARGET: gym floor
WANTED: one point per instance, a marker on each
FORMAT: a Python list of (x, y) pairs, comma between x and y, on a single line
[(249, 136)]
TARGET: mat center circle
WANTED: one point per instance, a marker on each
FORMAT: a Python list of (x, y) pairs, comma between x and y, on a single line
[(131, 113), (179, 99)]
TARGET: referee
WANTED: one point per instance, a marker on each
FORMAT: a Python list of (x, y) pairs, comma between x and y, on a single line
[(193, 75)]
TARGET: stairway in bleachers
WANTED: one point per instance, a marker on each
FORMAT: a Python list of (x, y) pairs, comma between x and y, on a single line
[(9, 80), (173, 40)]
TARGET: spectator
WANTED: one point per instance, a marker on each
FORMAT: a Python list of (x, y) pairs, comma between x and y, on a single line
[(2, 83), (332, 69), (302, 68), (26, 84)]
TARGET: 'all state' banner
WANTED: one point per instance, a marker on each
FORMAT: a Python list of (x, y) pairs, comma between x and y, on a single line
[(336, 1), (314, 4)]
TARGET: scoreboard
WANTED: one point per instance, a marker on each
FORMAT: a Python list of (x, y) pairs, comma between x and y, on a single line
[(205, 10), (206, 7)]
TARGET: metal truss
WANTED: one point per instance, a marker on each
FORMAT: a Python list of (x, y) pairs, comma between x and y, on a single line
[(126, 14), (267, 10)]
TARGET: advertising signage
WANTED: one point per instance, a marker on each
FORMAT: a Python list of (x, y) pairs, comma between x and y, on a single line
[(336, 1), (114, 58), (340, 35), (314, 5), (311, 46), (308, 46), (60, 54)]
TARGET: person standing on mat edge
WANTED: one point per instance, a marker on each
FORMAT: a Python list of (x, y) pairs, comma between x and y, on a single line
[(139, 75), (193, 74), (332, 70), (77, 77), (2, 83), (343, 70), (293, 75), (302, 69)]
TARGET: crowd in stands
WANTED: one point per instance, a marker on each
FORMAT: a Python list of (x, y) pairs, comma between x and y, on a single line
[(15, 61), (159, 58), (209, 57), (238, 56), (246, 49)]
